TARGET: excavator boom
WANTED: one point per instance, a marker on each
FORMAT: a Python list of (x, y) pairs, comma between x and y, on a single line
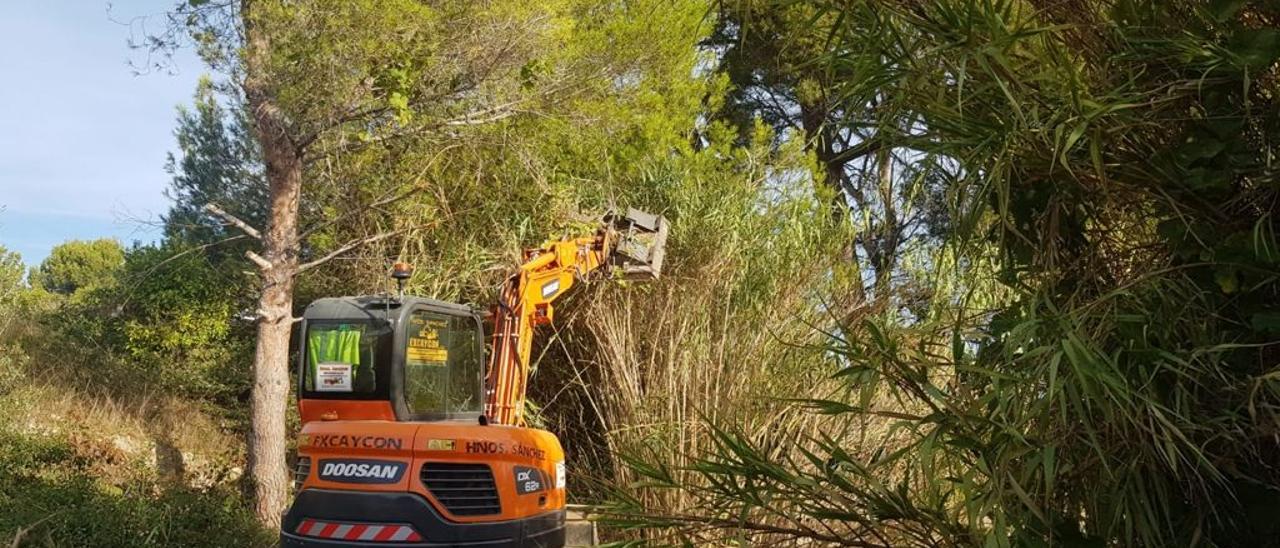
[(633, 244)]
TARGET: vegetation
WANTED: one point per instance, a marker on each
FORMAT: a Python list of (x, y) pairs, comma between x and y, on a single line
[(1093, 362), (103, 441), (941, 272), (77, 265), (82, 470)]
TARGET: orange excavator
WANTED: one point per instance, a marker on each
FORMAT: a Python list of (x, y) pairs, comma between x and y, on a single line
[(410, 437)]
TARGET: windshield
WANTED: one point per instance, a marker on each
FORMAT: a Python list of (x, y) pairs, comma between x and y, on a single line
[(442, 364), (346, 360)]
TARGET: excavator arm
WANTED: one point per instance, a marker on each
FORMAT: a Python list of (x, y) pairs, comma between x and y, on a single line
[(631, 245)]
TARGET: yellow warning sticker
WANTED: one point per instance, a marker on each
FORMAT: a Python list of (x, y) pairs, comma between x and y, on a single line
[(424, 344)]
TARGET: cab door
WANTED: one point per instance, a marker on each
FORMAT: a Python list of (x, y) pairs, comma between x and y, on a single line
[(442, 378)]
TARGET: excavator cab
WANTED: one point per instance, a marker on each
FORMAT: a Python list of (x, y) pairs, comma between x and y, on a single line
[(391, 358), (412, 429)]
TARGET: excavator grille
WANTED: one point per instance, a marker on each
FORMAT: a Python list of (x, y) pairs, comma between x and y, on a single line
[(301, 471), (463, 489)]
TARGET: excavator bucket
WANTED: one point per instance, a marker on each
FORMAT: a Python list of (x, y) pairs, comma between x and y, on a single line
[(642, 240)]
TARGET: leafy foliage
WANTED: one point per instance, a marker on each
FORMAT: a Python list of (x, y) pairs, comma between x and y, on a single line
[(179, 325), (13, 304), (12, 273), (218, 164)]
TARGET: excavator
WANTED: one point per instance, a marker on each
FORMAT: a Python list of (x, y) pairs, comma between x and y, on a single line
[(414, 433)]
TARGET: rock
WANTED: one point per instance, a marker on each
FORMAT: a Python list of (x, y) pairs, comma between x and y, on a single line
[(578, 530), (125, 444)]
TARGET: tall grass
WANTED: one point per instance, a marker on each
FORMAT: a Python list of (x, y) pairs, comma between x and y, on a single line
[(714, 339)]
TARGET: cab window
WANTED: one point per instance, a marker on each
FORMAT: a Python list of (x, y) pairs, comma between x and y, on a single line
[(346, 360), (442, 364)]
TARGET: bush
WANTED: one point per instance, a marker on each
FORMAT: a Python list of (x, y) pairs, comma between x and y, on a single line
[(164, 319), (12, 318), (178, 323)]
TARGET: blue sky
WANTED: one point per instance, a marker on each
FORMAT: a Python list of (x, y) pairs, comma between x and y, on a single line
[(82, 138)]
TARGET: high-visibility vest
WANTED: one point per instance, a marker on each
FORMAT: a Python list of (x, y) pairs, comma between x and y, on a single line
[(340, 345)]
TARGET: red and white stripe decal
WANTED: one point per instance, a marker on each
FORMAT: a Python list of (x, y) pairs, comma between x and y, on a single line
[(391, 532)]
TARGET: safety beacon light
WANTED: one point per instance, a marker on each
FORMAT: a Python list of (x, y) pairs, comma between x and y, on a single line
[(401, 272)]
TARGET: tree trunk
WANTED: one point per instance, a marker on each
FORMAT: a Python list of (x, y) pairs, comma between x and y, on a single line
[(886, 256), (279, 265), (270, 393), (851, 298), (275, 320)]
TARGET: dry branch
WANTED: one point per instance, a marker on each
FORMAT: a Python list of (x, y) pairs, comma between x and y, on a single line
[(233, 220), (348, 247)]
